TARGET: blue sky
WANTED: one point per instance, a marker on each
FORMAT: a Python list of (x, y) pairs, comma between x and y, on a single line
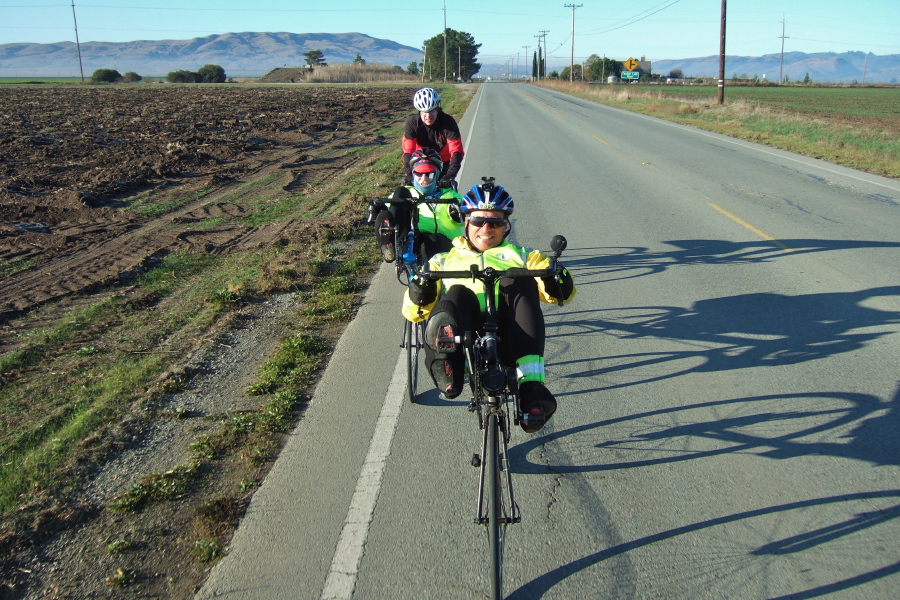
[(655, 29)]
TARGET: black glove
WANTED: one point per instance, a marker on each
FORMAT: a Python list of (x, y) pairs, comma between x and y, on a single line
[(447, 183), (455, 213), (552, 287), (422, 292), (561, 289)]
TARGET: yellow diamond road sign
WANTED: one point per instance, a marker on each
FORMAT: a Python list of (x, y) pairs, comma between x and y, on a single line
[(631, 64)]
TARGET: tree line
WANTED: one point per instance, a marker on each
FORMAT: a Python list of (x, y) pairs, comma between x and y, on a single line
[(205, 74)]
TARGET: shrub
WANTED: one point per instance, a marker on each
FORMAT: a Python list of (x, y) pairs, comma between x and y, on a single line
[(131, 77), (211, 74), (105, 76), (182, 76)]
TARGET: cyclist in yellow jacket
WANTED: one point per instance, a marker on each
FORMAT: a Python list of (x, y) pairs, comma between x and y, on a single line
[(458, 304)]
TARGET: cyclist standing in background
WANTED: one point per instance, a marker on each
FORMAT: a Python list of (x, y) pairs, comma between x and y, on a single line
[(435, 129), (436, 224), (454, 306)]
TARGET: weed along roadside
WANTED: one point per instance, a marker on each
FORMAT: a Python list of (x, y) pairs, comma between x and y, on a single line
[(142, 411)]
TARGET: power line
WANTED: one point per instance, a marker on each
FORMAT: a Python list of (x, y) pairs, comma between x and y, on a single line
[(635, 19)]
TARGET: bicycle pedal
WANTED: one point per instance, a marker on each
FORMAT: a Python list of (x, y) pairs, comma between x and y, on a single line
[(447, 343)]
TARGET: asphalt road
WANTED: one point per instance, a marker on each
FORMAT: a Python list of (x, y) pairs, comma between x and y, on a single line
[(727, 378)]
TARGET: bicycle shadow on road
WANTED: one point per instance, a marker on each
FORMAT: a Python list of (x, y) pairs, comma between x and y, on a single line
[(604, 264), (822, 541), (732, 332), (778, 426)]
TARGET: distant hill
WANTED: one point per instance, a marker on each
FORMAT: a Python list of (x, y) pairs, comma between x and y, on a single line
[(240, 54), (254, 54), (823, 67)]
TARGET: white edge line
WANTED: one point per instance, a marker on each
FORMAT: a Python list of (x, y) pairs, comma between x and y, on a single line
[(345, 564), (471, 127)]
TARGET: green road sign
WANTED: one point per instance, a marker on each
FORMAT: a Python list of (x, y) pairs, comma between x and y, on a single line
[(631, 75)]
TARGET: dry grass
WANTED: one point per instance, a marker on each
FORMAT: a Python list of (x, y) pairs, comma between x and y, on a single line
[(858, 141)]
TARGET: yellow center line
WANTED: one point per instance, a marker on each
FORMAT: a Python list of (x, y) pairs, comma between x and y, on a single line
[(601, 140), (758, 232)]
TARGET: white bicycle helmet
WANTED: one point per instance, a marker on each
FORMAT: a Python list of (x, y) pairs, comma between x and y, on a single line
[(426, 99)]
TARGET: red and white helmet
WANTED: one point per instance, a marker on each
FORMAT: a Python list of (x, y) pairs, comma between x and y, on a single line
[(425, 160)]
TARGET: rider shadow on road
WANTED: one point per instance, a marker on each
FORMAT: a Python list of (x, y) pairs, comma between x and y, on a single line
[(604, 264), (736, 332), (779, 426)]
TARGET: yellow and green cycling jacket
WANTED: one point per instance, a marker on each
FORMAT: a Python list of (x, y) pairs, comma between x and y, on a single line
[(463, 255), (435, 218)]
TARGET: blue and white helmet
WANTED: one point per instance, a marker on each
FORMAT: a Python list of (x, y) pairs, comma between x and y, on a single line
[(487, 196)]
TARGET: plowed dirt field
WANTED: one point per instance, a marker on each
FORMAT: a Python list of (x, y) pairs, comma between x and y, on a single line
[(69, 156)]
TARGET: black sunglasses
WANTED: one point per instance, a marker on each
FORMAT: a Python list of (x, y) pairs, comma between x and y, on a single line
[(491, 222)]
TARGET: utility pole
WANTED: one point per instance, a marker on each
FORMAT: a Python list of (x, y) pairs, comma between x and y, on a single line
[(722, 58), (424, 61), (77, 45), (572, 58), (526, 59), (445, 40), (543, 67), (780, 77)]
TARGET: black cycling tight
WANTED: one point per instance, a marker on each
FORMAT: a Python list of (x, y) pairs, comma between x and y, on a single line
[(520, 319)]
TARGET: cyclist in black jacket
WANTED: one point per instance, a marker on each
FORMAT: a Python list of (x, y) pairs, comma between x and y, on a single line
[(433, 128)]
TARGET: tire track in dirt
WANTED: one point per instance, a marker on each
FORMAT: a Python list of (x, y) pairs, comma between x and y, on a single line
[(128, 250)]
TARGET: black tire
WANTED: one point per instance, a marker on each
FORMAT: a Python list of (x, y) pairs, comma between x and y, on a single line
[(496, 524), (413, 339)]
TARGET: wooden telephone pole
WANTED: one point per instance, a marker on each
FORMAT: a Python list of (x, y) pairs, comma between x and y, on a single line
[(572, 58)]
